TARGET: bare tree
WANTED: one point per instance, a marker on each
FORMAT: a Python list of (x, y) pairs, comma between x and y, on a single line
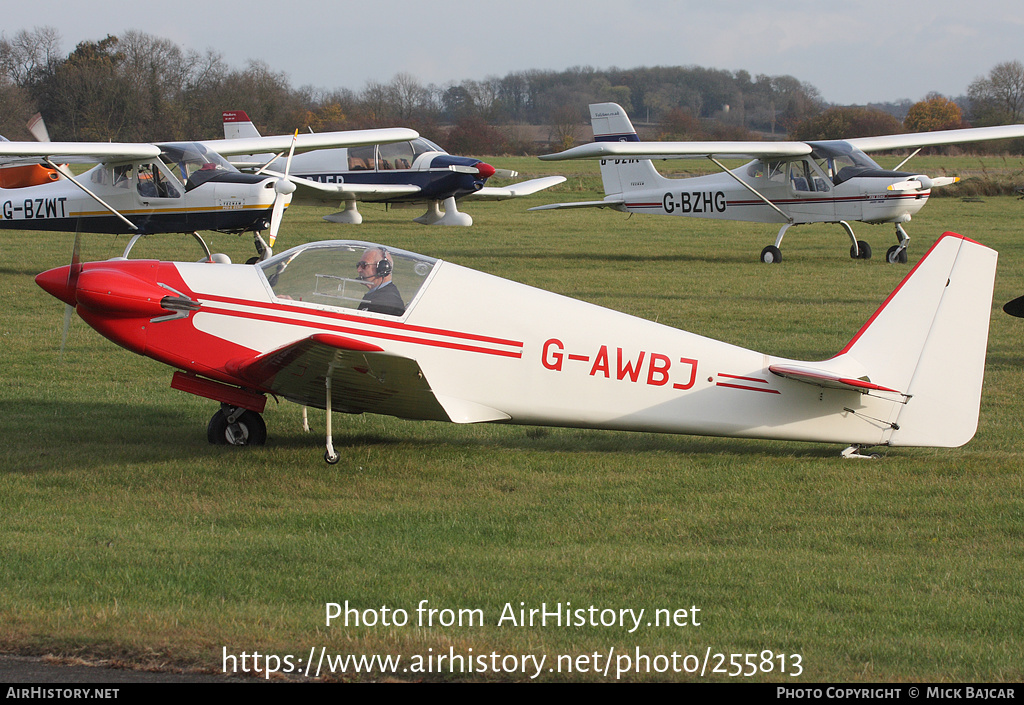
[(998, 98)]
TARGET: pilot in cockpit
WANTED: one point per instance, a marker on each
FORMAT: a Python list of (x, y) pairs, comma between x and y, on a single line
[(374, 270)]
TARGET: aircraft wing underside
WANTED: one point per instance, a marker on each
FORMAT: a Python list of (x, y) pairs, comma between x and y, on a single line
[(308, 188), (363, 378)]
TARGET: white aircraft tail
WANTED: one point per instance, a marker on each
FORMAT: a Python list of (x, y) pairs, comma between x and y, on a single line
[(620, 176), (928, 340), (237, 124)]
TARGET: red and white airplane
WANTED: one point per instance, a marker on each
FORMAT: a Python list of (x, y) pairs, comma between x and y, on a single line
[(406, 173), (357, 327), (789, 183)]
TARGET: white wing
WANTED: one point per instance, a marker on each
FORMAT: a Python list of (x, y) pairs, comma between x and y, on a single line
[(677, 150), (77, 152), (929, 139), (307, 142)]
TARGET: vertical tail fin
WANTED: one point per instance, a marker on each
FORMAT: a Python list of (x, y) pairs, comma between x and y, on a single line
[(929, 339), (611, 124), (237, 124)]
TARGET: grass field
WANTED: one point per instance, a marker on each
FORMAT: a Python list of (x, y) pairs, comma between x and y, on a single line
[(126, 537)]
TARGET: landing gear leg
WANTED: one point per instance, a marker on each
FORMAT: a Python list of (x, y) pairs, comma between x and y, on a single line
[(772, 254), (349, 216), (859, 249), (433, 214), (330, 455), (202, 243), (131, 244), (263, 250), (898, 253)]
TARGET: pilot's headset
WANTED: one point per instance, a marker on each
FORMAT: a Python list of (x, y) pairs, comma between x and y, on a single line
[(384, 264)]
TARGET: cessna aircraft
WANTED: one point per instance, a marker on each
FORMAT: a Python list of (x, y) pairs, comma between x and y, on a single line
[(408, 172), (359, 327), (141, 188), (791, 183)]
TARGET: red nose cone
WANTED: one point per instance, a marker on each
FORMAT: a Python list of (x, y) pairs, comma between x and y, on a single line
[(486, 170), (55, 283)]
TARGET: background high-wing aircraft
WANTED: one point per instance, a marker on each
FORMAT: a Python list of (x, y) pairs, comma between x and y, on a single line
[(168, 187), (414, 171), (791, 183), (454, 344)]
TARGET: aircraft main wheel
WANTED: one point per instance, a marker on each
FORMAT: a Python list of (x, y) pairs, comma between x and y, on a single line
[(331, 459), (862, 251), (771, 255), (249, 429), (896, 254)]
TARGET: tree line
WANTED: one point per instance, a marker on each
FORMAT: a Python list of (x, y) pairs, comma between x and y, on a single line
[(140, 88)]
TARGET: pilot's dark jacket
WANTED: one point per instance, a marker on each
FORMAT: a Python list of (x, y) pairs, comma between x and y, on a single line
[(383, 299)]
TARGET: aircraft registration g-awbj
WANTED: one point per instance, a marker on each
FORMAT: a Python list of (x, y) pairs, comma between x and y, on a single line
[(788, 183), (359, 327)]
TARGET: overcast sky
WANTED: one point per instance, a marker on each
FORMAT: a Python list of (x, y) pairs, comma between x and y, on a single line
[(852, 52)]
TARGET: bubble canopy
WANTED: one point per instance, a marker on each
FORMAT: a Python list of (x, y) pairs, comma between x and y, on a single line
[(349, 275)]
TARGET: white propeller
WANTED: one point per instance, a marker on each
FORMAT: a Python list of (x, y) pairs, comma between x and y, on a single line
[(284, 188), (922, 182)]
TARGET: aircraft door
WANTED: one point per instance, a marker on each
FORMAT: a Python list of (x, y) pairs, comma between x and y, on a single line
[(811, 194), (155, 187)]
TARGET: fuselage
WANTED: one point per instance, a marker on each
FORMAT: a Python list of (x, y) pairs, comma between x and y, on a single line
[(830, 185), (419, 163), (174, 194), (535, 357)]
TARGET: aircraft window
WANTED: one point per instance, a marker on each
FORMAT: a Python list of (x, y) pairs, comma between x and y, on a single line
[(800, 176), (362, 158), (777, 172), (101, 175), (349, 275), (122, 176), (154, 183), (398, 155), (421, 145), (193, 164)]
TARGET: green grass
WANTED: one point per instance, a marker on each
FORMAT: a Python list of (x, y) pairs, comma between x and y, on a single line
[(126, 537)]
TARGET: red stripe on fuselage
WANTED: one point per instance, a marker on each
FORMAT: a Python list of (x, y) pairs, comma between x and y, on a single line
[(384, 333)]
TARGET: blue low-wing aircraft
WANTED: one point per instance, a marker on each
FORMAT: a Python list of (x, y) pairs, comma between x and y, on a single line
[(409, 172)]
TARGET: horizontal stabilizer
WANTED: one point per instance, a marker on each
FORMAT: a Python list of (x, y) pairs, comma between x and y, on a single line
[(523, 188), (825, 378), (618, 204)]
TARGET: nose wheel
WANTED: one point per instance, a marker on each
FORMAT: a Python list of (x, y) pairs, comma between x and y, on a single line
[(897, 254)]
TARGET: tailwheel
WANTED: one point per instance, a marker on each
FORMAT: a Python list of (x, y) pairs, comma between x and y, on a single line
[(235, 426), (896, 254), (771, 255), (861, 251)]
